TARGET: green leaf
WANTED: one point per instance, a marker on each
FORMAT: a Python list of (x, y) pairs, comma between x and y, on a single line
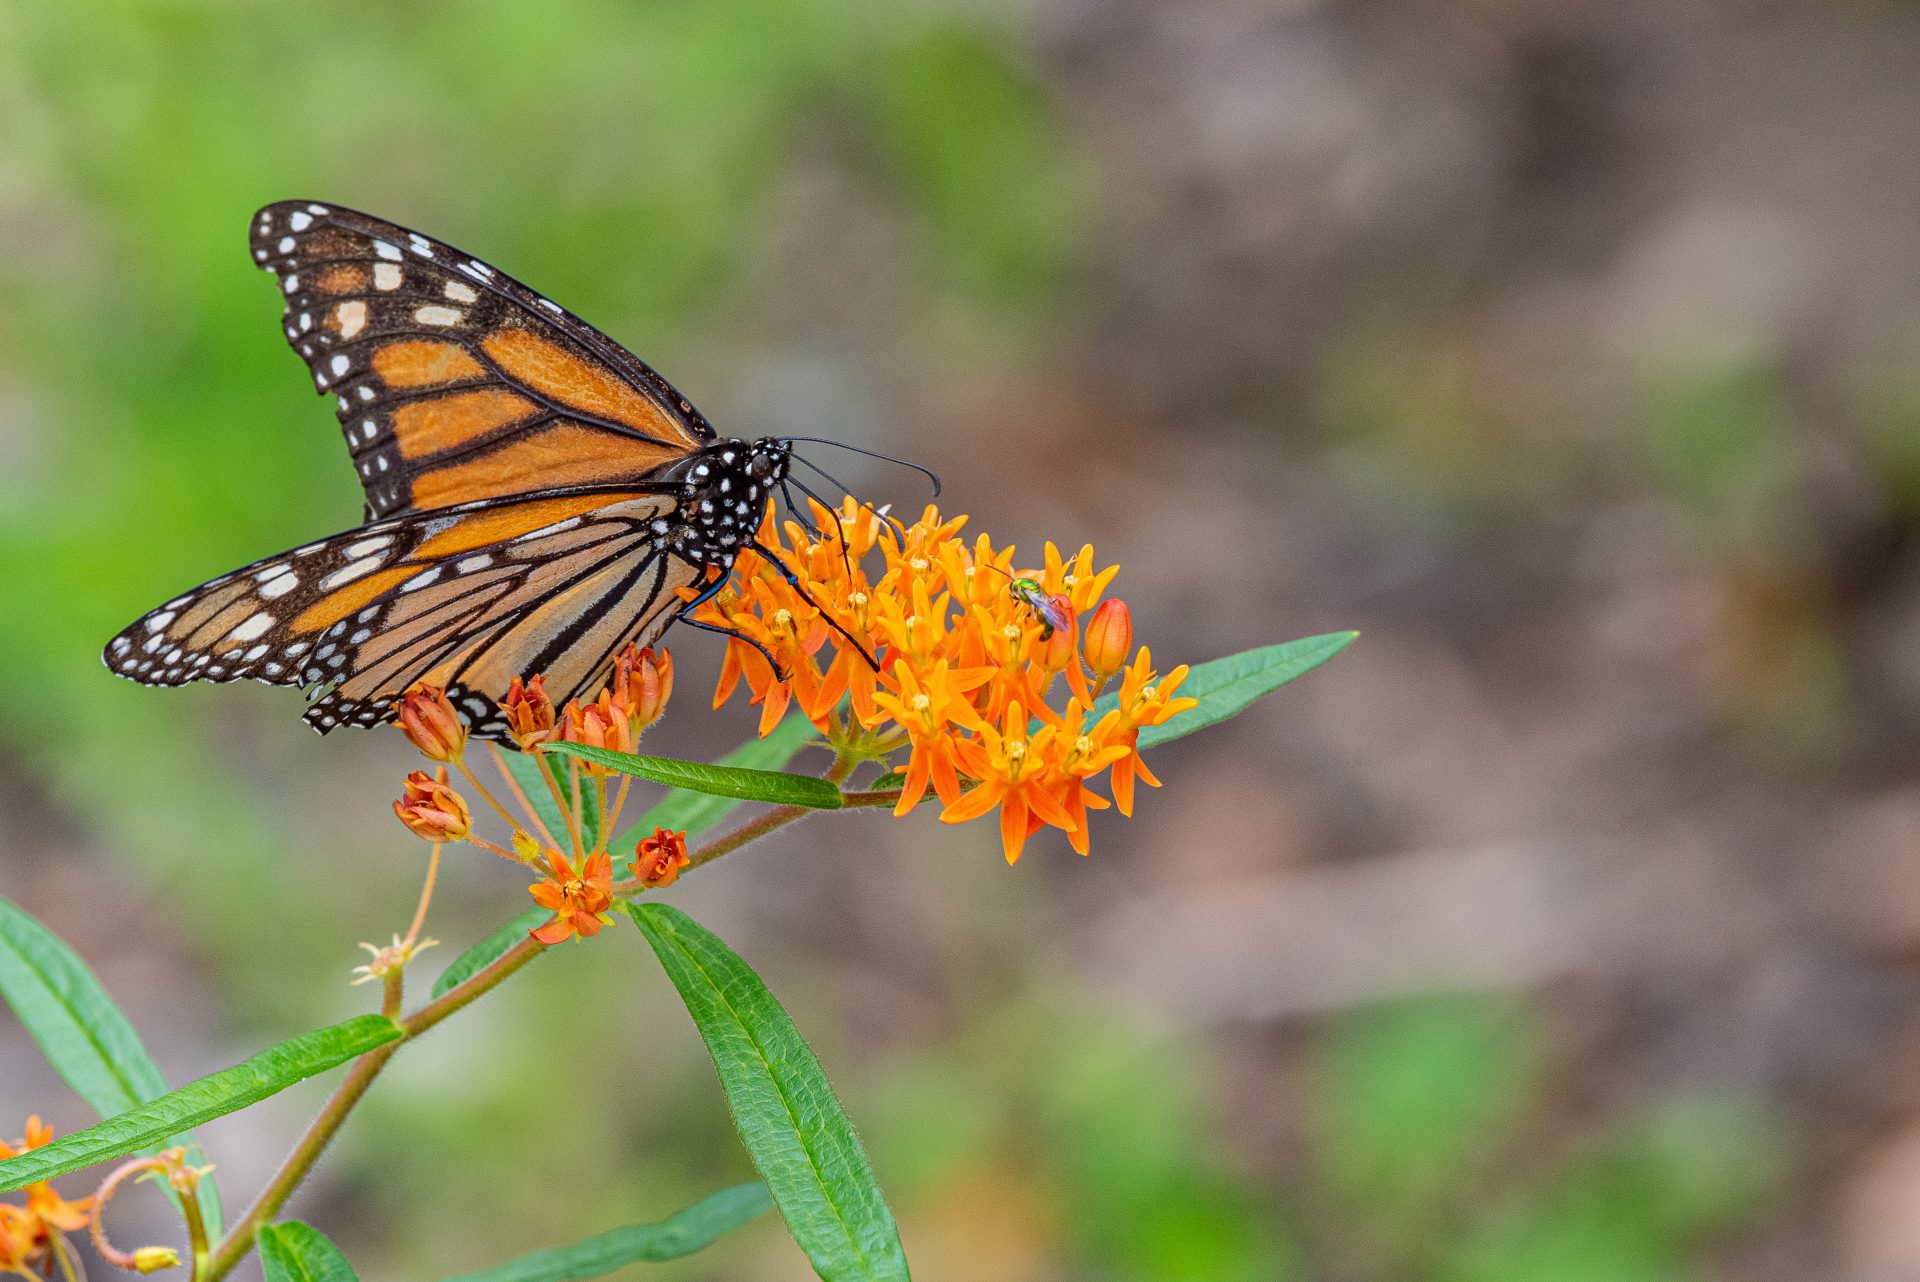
[(691, 812), (691, 1230), (489, 950), (527, 773), (1225, 687), (722, 781), (295, 1252), (793, 1127), (888, 781), (227, 1091), (83, 1034)]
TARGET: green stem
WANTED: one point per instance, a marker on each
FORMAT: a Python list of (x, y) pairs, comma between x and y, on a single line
[(239, 1240)]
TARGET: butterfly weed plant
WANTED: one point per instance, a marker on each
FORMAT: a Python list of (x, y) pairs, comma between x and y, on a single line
[(982, 703), (536, 496)]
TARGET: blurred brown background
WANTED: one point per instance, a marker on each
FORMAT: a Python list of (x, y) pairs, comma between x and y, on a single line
[(1563, 928)]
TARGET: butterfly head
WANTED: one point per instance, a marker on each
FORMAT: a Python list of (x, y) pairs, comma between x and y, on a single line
[(723, 491)]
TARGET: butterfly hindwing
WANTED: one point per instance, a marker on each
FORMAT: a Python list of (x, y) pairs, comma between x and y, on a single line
[(465, 598), (453, 382)]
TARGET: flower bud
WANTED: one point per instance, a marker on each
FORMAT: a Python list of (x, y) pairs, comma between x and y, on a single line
[(529, 710), (644, 682), (152, 1259), (601, 724), (1109, 638), (658, 859), (431, 724), (1056, 647), (431, 810)]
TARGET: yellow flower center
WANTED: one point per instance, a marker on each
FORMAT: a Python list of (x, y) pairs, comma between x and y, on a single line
[(1012, 631), (1083, 745), (1148, 694), (857, 600), (919, 564), (921, 703)]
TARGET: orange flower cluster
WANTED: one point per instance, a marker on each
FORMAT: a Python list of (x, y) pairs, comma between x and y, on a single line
[(578, 902), (28, 1234), (969, 650)]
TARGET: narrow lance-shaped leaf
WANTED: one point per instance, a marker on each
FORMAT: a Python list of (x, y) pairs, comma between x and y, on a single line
[(793, 1127), (489, 950), (78, 1027), (292, 1251), (691, 1230), (1226, 687), (532, 780), (216, 1095), (693, 813), (725, 781)]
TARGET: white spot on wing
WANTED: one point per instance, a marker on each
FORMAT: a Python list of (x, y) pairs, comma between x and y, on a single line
[(386, 276), (353, 318), (389, 252), (434, 314), (300, 220), (255, 625), (461, 292), (351, 571)]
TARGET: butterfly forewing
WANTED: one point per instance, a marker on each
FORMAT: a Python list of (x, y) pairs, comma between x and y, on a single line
[(454, 382), (465, 598)]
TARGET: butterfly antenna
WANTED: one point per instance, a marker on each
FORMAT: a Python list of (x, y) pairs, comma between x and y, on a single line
[(885, 458), (833, 512)]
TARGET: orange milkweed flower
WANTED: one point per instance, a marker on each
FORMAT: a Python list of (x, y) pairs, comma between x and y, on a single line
[(431, 810), (1013, 772), (659, 859), (579, 903), (949, 651), (529, 710), (428, 720), (1143, 702), (928, 712), (26, 1232)]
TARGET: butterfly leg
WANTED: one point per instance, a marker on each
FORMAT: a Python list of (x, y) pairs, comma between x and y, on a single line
[(685, 615), (793, 581)]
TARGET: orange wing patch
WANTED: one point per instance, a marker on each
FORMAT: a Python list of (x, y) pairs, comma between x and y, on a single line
[(568, 454), (558, 374), (337, 605), (423, 363), (497, 525), (444, 422)]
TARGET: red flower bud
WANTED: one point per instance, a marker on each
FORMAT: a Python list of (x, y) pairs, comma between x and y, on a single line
[(431, 724), (1056, 648), (529, 712), (644, 682), (431, 810), (658, 859), (601, 724), (1109, 638)]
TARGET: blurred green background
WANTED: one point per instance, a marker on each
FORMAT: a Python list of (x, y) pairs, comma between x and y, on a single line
[(1563, 929)]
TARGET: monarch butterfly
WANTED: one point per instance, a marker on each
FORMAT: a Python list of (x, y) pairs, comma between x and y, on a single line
[(536, 496)]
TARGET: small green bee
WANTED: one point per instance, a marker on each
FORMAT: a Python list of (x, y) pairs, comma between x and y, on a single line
[(1053, 612)]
